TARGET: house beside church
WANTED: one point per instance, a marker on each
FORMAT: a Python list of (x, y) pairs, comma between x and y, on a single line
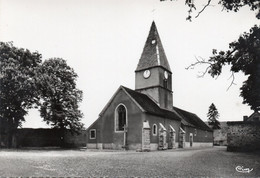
[(244, 135), (253, 117), (145, 119), (220, 134)]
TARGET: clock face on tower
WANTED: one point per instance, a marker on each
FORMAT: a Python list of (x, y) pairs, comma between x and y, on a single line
[(165, 74), (147, 74)]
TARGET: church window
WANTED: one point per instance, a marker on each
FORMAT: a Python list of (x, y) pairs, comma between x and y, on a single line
[(191, 139), (120, 119), (92, 133), (165, 83), (154, 129)]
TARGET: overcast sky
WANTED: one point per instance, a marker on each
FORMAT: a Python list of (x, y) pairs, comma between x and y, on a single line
[(103, 41)]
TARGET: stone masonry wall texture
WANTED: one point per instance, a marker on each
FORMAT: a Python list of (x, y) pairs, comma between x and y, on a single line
[(28, 137), (243, 136)]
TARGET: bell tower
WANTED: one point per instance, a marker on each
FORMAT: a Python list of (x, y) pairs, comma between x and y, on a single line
[(153, 75)]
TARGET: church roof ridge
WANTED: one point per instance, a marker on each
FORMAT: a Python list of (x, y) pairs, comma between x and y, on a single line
[(150, 106), (111, 99), (153, 53), (192, 119)]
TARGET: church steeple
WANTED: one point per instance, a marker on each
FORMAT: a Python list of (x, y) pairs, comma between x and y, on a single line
[(153, 52), (153, 72)]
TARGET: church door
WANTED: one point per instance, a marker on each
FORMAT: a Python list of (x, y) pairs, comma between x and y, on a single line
[(191, 139)]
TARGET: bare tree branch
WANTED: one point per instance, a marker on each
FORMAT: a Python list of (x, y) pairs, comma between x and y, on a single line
[(203, 61), (199, 61), (203, 9), (203, 73), (232, 82)]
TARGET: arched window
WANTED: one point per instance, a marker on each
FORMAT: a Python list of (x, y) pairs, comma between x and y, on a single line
[(120, 118), (154, 129)]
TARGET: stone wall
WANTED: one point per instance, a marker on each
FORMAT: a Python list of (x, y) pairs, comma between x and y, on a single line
[(243, 136), (76, 140), (28, 137), (220, 137)]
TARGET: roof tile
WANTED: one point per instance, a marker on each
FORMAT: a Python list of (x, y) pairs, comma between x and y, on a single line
[(150, 106), (153, 52)]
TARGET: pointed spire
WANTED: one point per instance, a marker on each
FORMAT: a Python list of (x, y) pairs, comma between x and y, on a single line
[(153, 52)]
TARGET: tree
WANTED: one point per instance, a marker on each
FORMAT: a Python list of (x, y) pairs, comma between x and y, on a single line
[(60, 98), (17, 87), (243, 55), (213, 116), (228, 5)]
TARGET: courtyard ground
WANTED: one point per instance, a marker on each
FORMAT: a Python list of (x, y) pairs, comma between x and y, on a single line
[(206, 162)]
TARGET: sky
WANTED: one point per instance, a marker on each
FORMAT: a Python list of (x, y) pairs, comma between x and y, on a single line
[(102, 40)]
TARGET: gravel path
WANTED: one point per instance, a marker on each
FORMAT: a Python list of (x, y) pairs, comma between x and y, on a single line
[(207, 162)]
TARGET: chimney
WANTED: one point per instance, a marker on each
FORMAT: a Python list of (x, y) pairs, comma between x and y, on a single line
[(245, 118)]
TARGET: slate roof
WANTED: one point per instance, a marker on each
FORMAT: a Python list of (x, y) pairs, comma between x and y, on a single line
[(153, 52), (222, 124), (184, 122), (192, 119), (150, 106), (147, 105), (256, 114), (187, 118)]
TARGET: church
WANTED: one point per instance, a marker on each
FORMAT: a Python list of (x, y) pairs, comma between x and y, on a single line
[(145, 119)]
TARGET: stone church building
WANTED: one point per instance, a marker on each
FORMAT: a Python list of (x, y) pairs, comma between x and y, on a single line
[(145, 119)]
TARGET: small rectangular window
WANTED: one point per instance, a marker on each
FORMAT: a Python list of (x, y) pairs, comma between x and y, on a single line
[(92, 134), (154, 130), (165, 83)]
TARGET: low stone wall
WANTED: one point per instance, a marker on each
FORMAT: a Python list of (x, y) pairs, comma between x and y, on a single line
[(95, 146), (28, 137), (153, 146), (76, 140), (243, 136), (198, 144)]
